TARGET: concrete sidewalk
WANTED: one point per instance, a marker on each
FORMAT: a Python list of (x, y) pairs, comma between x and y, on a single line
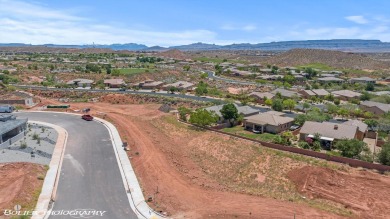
[(50, 183)]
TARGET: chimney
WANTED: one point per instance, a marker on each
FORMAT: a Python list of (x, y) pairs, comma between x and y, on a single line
[(336, 127)]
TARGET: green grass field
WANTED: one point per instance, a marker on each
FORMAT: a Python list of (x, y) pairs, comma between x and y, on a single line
[(240, 131), (129, 71)]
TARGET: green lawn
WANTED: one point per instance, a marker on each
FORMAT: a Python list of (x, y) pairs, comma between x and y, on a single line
[(129, 71), (238, 130), (319, 66)]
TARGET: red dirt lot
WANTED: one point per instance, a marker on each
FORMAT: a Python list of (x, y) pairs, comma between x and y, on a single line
[(366, 193), (198, 174), (19, 184)]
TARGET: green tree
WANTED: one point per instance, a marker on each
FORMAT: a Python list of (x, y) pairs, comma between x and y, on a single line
[(183, 112), (277, 105), (365, 96), (172, 89), (201, 89), (336, 101), (352, 148), (370, 87), (203, 117), (229, 112), (384, 154), (268, 102), (289, 104), (305, 106), (343, 112), (186, 68), (371, 123), (300, 119)]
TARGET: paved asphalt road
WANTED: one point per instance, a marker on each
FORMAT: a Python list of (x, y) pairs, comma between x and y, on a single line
[(90, 177), (165, 94)]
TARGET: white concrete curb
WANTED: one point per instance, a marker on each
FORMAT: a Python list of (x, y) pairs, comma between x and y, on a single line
[(130, 181), (49, 188)]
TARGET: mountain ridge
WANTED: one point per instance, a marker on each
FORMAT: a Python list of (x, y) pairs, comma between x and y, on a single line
[(353, 45)]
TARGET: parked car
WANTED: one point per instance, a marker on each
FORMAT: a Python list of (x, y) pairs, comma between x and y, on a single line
[(256, 131), (87, 117), (6, 109)]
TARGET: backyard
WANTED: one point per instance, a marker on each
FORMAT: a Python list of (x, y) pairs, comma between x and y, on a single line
[(239, 130)]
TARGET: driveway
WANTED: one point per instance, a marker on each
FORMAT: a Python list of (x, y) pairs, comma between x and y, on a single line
[(90, 177)]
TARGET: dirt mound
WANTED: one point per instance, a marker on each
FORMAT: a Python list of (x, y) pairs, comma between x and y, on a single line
[(334, 59), (365, 193), (19, 184), (174, 53)]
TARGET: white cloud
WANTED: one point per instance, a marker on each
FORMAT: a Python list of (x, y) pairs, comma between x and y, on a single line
[(248, 27), (357, 19), (37, 24)]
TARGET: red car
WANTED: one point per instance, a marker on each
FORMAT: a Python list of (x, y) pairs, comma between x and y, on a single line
[(87, 117)]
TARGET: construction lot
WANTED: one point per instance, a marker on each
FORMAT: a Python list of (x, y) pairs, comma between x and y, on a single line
[(191, 173)]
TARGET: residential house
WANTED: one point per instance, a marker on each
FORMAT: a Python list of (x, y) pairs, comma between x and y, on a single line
[(286, 93), (268, 122), (80, 82), (346, 94), (330, 80), (11, 127), (328, 132), (362, 128), (17, 97), (244, 110), (315, 92), (365, 80), (270, 77), (307, 93), (261, 96), (180, 85), (114, 83), (320, 92), (152, 85), (375, 107)]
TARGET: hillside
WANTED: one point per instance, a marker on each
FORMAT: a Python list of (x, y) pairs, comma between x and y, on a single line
[(174, 53), (335, 59)]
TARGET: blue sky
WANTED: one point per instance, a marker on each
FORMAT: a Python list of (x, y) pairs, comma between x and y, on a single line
[(177, 22)]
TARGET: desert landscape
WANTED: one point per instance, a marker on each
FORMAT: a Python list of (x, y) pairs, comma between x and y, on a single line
[(190, 173)]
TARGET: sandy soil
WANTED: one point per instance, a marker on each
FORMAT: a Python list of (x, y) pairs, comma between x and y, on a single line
[(19, 184), (197, 174), (362, 191)]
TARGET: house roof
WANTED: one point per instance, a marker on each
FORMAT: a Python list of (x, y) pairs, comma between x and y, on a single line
[(330, 79), (154, 83), (276, 113), (363, 79), (262, 95), (327, 129), (347, 93), (245, 110), (180, 84), (309, 92), (80, 81), (7, 124), (285, 93), (381, 106), (118, 81), (361, 125), (268, 119), (320, 92)]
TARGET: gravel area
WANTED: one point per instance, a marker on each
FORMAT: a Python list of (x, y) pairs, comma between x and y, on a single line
[(36, 147)]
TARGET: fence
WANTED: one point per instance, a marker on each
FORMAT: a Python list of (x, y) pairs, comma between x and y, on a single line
[(10, 141), (345, 160)]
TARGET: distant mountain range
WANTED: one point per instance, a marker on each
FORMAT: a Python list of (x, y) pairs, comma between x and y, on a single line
[(352, 45)]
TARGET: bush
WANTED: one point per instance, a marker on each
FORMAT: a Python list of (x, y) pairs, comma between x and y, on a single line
[(384, 154)]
